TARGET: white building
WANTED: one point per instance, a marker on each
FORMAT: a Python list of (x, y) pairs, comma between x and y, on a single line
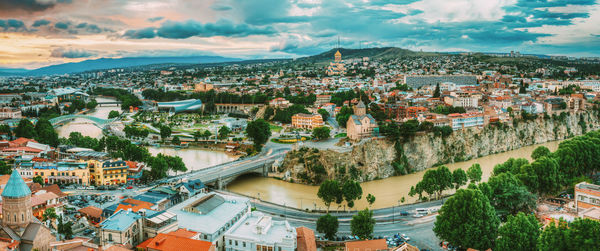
[(261, 233)]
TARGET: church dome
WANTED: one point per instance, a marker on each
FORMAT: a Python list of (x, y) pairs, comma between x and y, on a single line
[(15, 187), (337, 53)]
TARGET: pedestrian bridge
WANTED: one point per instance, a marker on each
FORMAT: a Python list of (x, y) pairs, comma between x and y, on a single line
[(95, 120)]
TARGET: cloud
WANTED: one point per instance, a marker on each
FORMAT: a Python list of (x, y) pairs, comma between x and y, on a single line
[(191, 28), (62, 25), (141, 33), (41, 22), (155, 19), (12, 25), (72, 53), (219, 7), (30, 5)]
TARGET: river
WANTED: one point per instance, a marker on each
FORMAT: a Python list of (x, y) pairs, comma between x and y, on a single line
[(386, 191), (193, 158)]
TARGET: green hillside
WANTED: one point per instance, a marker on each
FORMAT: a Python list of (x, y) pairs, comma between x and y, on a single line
[(374, 53)]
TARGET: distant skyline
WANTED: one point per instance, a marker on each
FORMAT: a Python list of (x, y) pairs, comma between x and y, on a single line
[(37, 33)]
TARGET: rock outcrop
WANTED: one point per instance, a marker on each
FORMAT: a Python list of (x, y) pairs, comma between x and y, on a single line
[(374, 159)]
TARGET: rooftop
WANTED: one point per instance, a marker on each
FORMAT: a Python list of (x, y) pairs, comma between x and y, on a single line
[(261, 228), (16, 187), (170, 242), (120, 221)]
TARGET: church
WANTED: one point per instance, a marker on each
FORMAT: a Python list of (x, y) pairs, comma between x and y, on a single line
[(337, 66), (361, 125), (18, 223)]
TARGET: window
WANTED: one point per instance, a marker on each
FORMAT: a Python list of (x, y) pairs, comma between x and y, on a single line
[(15, 217), (236, 243), (258, 248), (110, 237), (22, 217), (229, 242), (243, 243)]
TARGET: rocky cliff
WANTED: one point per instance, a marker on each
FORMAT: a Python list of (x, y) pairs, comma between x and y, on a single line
[(382, 158)]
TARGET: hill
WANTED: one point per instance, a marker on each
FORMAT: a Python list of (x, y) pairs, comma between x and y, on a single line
[(109, 63), (373, 53)]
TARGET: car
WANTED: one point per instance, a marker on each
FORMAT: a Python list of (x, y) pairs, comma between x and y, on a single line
[(405, 237), (404, 213), (129, 187)]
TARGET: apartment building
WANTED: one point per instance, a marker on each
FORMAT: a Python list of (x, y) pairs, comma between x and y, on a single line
[(307, 121), (108, 172), (465, 120), (586, 196)]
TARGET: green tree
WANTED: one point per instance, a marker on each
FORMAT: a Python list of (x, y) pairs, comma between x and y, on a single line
[(165, 132), (113, 114), (197, 134), (370, 199), (224, 132), (520, 232), (45, 133), (554, 237), (342, 116), (509, 196), (324, 113), (474, 173), (38, 179), (329, 192), (459, 178), (512, 165), (542, 176), (584, 234), (4, 168), (321, 132), (25, 129), (49, 214), (328, 225), (362, 224), (351, 191), (468, 220), (259, 131), (206, 134), (92, 104), (5, 129), (436, 92), (434, 182), (539, 152), (176, 141)]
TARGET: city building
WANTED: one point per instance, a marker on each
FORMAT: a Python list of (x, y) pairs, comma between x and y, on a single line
[(366, 245), (307, 121), (279, 103), (336, 67), (10, 113), (108, 172), (360, 124), (218, 213), (188, 105), (260, 232), (175, 241), (465, 120), (68, 94), (203, 87), (586, 196), (322, 99), (305, 239), (124, 227), (59, 173)]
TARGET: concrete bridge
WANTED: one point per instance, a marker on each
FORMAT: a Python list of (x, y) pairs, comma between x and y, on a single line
[(220, 175), (109, 103), (99, 122), (236, 108)]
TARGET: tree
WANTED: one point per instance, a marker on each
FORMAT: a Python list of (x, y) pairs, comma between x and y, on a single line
[(459, 178), (328, 225), (25, 129), (468, 220), (512, 165), (4, 168), (165, 132), (474, 173), (583, 234), (362, 224), (113, 114), (351, 191), (38, 179), (259, 131), (434, 182), (197, 134), (45, 133), (509, 196), (5, 129), (554, 237), (65, 228), (92, 104), (370, 199), (49, 214), (330, 191), (342, 116), (206, 134), (520, 232), (224, 132), (542, 176), (321, 132), (324, 113), (539, 152), (176, 141), (436, 92)]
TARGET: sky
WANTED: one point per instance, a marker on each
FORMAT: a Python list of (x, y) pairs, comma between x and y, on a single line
[(37, 33)]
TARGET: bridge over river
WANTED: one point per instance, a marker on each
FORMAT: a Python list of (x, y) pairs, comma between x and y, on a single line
[(99, 122)]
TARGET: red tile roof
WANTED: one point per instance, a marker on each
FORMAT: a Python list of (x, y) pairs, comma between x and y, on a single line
[(368, 245), (167, 242), (306, 239)]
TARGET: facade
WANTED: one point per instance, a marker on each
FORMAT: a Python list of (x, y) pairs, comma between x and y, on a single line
[(10, 113), (108, 172), (260, 232), (17, 211), (180, 106), (465, 120), (123, 227), (586, 196), (336, 67), (59, 173), (279, 103), (360, 124), (307, 121), (322, 99), (218, 213)]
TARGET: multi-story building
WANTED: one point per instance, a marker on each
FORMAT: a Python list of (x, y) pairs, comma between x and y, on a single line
[(59, 173), (586, 196), (260, 232), (10, 113), (462, 99), (465, 120), (124, 227), (501, 102), (279, 103), (307, 121), (108, 172), (322, 99)]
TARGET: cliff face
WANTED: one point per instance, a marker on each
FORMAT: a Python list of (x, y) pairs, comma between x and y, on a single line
[(373, 159)]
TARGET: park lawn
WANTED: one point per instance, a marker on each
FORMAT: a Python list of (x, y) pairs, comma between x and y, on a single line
[(341, 135), (275, 128)]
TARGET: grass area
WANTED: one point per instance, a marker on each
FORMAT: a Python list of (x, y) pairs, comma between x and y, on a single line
[(275, 128), (341, 135), (289, 141)]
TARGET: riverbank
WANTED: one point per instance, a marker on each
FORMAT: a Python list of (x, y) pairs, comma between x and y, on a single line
[(388, 192)]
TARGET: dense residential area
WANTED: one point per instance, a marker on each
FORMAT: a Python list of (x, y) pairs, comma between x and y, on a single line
[(175, 157)]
